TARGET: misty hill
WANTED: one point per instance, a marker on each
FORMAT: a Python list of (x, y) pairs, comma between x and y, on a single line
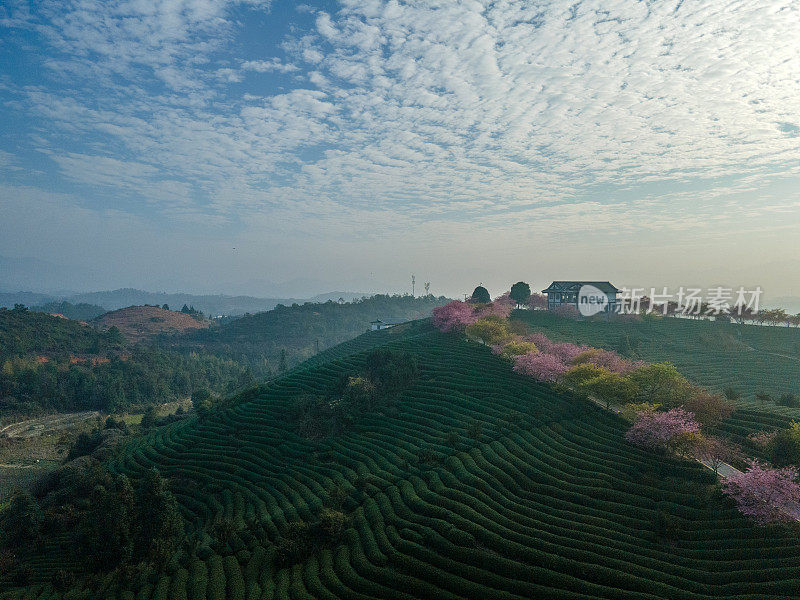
[(78, 312), (142, 322), (209, 304), (406, 464), (9, 299), (291, 334)]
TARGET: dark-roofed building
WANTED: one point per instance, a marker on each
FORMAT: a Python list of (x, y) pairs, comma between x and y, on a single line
[(560, 293), (385, 323)]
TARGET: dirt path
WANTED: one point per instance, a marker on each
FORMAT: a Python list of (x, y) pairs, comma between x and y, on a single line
[(42, 425)]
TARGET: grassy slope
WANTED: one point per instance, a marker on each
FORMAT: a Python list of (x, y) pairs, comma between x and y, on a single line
[(550, 502)]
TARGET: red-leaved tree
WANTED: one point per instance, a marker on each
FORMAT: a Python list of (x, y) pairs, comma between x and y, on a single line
[(654, 430), (765, 494)]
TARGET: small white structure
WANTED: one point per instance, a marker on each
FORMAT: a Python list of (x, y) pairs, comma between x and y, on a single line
[(385, 323)]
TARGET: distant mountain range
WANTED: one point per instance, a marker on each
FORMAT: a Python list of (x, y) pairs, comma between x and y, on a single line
[(209, 304)]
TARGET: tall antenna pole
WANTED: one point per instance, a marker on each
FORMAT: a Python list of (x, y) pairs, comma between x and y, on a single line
[(413, 285)]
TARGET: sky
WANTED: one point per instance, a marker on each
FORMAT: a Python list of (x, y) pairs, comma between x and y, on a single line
[(260, 146)]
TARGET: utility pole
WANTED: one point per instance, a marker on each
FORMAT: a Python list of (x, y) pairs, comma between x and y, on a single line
[(413, 285)]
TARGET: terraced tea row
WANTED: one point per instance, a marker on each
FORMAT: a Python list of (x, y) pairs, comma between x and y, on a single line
[(477, 483)]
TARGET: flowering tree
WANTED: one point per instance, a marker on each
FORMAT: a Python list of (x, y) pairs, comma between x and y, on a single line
[(543, 343), (659, 429), (709, 408), (499, 308), (607, 359), (540, 366), (453, 316), (714, 451), (567, 310), (537, 301), (765, 494), (566, 351)]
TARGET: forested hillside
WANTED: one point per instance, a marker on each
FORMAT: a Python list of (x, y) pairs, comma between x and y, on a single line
[(407, 464), (269, 342), (50, 363)]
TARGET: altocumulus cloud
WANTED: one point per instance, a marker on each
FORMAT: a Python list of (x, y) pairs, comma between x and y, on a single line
[(444, 112)]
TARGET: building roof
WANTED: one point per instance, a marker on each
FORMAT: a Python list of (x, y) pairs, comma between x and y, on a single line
[(574, 286), (390, 321)]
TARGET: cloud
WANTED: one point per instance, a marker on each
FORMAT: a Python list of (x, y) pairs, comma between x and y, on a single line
[(273, 65), (442, 118)]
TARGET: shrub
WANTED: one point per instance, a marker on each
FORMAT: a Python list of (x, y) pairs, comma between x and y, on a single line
[(331, 525), (789, 400), (783, 448), (490, 330), (514, 348), (391, 370)]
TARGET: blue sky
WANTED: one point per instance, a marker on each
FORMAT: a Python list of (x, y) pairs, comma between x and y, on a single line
[(215, 145)]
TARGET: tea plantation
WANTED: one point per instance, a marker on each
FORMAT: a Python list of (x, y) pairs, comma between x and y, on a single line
[(750, 358), (476, 483)]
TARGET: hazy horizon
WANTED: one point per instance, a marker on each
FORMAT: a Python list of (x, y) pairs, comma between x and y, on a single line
[(230, 146)]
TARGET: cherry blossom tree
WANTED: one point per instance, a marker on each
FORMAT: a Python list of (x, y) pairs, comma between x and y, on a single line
[(660, 429), (543, 343), (715, 451), (765, 494), (607, 359), (454, 316), (566, 351), (567, 310), (542, 367), (499, 308), (537, 301)]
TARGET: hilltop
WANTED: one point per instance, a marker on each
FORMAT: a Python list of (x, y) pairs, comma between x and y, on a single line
[(137, 323), (285, 336), (467, 481)]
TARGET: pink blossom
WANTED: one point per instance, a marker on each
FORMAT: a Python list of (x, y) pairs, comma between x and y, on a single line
[(657, 429), (567, 310), (566, 351), (542, 367), (540, 340), (537, 301), (762, 438), (453, 316), (498, 308), (763, 493), (608, 359)]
